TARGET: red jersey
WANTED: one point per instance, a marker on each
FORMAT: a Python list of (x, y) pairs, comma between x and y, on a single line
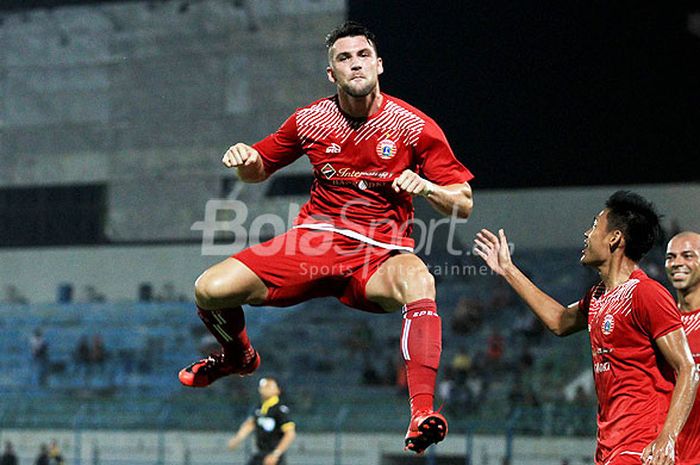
[(688, 445), (356, 160), (633, 381)]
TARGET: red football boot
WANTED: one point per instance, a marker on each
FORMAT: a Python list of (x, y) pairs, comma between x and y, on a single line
[(207, 370), (426, 428)]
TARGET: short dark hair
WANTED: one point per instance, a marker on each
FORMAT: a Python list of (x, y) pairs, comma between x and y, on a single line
[(638, 221), (351, 29)]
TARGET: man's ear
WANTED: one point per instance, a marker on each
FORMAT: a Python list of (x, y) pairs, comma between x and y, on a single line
[(380, 66), (617, 239), (330, 75)]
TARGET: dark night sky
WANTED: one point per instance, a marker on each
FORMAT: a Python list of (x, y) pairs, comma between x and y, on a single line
[(547, 93)]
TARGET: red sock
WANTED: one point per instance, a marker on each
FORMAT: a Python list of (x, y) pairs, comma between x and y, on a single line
[(228, 327), (421, 344)]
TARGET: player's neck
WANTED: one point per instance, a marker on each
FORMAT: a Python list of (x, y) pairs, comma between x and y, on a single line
[(361, 107), (689, 301), (616, 271)]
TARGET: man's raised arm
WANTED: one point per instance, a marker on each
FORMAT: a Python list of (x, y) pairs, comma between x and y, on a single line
[(559, 319)]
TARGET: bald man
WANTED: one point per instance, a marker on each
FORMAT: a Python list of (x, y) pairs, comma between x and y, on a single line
[(683, 271)]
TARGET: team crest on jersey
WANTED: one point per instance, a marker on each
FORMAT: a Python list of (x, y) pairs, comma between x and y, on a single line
[(386, 149), (608, 324)]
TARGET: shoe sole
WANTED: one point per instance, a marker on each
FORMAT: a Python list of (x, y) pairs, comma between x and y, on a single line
[(431, 430), (189, 379)]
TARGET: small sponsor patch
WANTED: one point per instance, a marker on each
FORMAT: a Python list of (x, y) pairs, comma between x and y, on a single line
[(267, 423), (328, 171), (333, 148)]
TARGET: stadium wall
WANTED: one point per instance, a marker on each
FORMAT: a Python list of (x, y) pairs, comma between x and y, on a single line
[(557, 217), (209, 448), (144, 97)]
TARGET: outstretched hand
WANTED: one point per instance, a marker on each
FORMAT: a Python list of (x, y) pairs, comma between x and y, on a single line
[(659, 452), (493, 250)]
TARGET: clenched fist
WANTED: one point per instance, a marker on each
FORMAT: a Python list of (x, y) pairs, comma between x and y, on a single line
[(410, 182), (240, 155)]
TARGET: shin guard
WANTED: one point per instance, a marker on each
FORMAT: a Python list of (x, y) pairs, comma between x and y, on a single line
[(421, 345)]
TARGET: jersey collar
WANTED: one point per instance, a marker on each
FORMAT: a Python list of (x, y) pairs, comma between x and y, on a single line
[(269, 403)]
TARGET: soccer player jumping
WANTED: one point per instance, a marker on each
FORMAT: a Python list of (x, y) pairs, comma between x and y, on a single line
[(371, 154), (637, 340)]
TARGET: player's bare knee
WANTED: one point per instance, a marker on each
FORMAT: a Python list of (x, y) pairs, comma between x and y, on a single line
[(220, 290), (201, 294), (209, 292), (419, 284), (423, 285)]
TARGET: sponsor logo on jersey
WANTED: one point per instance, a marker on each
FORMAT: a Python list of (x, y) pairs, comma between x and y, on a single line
[(386, 149), (333, 148), (328, 171), (351, 173), (608, 324), (267, 423), (350, 176), (602, 351), (601, 367)]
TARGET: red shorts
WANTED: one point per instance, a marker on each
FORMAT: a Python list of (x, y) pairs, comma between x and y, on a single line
[(305, 263), (624, 458)]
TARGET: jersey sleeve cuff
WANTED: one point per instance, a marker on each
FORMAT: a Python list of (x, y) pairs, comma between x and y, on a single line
[(287, 426), (668, 330)]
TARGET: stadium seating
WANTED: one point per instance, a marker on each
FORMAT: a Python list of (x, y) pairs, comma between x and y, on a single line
[(329, 358)]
